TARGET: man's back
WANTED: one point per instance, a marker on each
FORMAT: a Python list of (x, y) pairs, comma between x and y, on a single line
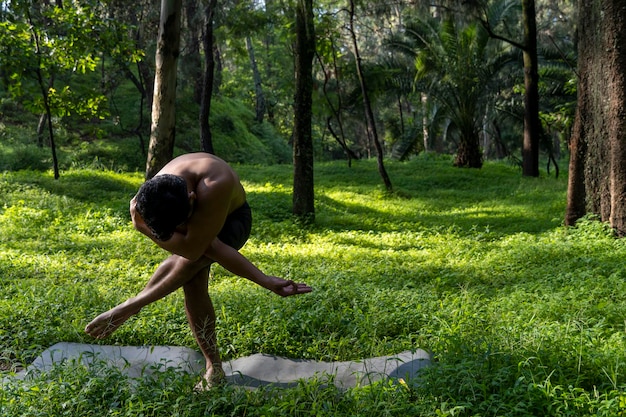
[(209, 176)]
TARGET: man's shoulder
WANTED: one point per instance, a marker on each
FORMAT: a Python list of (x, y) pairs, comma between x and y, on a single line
[(199, 165)]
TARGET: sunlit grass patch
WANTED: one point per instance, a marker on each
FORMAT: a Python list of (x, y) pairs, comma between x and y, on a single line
[(522, 315)]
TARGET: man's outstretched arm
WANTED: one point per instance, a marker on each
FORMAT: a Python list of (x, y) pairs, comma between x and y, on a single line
[(238, 264)]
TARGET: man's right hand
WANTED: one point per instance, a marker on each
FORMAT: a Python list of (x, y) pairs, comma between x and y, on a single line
[(286, 287)]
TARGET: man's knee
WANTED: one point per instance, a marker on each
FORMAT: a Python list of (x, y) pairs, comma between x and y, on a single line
[(199, 282), (187, 267)]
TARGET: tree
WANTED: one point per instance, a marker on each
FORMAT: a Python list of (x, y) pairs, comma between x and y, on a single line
[(161, 148), (303, 192), (328, 59), (454, 65), (44, 48), (260, 105), (367, 105), (532, 124), (208, 42), (138, 21), (597, 180), (191, 64)]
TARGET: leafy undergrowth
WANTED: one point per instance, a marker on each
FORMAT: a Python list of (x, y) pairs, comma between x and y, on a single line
[(522, 315)]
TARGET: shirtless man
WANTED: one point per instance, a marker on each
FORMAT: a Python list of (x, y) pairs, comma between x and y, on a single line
[(196, 209)]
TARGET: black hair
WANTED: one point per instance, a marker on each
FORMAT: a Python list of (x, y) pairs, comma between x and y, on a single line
[(163, 203)]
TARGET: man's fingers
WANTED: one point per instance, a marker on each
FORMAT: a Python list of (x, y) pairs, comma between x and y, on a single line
[(298, 288)]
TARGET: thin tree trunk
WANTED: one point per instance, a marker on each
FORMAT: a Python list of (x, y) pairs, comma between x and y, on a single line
[(369, 115), (424, 100), (147, 79), (46, 103), (258, 85), (336, 111), (532, 124), (303, 191), (268, 42), (191, 60), (208, 78), (162, 136), (138, 83), (217, 73), (41, 127), (45, 88)]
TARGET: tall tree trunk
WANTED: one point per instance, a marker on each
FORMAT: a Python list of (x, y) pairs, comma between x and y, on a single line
[(425, 121), (162, 135), (208, 42), (335, 110), (268, 43), (532, 125), (597, 180), (147, 79), (45, 88), (219, 69), (41, 127), (258, 85), (46, 104), (191, 64), (303, 192), (369, 115)]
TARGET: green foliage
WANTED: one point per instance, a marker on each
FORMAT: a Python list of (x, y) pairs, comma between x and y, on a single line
[(455, 64), (44, 46), (522, 315), (238, 138), (17, 150)]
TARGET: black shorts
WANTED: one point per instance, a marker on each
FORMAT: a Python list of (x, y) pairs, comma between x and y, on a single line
[(237, 227)]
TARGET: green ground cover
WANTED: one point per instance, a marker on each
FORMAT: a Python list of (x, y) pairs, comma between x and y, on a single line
[(522, 316)]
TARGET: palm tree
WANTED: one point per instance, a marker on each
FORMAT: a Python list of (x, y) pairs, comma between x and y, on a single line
[(454, 65)]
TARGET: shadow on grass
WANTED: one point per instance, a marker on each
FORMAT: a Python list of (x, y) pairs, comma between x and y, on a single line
[(104, 189), (490, 218)]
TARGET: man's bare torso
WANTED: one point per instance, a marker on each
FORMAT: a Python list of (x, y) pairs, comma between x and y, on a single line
[(208, 176)]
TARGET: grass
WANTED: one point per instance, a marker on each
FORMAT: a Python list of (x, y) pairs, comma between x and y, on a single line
[(523, 316)]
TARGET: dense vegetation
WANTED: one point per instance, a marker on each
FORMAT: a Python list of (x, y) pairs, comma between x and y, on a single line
[(434, 77), (522, 315)]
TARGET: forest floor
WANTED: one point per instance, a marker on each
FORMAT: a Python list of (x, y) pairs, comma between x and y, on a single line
[(521, 315)]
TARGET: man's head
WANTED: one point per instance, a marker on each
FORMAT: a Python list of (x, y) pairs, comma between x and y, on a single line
[(163, 203)]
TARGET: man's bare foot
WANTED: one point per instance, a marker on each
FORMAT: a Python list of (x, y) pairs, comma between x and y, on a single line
[(214, 376), (107, 322)]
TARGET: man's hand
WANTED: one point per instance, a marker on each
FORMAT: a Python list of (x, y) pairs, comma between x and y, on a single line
[(235, 262), (285, 288)]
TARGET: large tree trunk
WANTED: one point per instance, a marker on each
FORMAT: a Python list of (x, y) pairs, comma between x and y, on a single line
[(161, 148), (303, 194), (532, 125), (468, 154), (597, 180)]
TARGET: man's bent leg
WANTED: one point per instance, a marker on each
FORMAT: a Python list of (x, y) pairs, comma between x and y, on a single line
[(201, 317), (172, 274)]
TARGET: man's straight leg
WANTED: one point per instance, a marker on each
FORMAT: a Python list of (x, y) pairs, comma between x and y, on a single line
[(172, 274), (201, 317)]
